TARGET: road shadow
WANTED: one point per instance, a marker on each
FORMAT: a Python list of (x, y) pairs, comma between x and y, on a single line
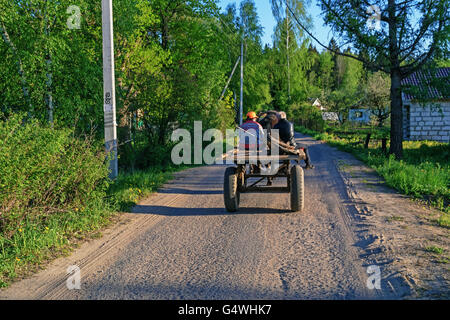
[(186, 191), (186, 212), (212, 289)]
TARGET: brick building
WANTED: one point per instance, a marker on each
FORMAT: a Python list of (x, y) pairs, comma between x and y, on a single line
[(428, 120)]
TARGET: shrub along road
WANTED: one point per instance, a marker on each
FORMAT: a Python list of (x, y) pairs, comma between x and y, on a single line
[(180, 243)]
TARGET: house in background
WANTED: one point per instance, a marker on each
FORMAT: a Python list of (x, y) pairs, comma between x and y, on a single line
[(330, 116), (430, 120), (360, 115), (326, 116), (316, 103)]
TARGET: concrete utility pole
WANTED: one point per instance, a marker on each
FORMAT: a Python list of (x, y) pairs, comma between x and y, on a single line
[(109, 103), (241, 107)]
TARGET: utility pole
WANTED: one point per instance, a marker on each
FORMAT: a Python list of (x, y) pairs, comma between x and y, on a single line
[(109, 93), (241, 107)]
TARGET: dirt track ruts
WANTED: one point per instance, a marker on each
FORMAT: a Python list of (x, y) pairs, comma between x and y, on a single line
[(181, 244)]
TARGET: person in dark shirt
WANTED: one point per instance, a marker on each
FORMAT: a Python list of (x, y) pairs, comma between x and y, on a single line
[(287, 135)]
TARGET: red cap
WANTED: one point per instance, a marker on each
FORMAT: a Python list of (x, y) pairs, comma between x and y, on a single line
[(252, 115)]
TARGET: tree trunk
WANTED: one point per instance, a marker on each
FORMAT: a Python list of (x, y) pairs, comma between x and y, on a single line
[(396, 115), (49, 93), (20, 70), (366, 143), (384, 145), (396, 79)]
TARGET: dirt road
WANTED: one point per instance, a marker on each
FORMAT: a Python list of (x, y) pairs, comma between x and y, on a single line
[(181, 244)]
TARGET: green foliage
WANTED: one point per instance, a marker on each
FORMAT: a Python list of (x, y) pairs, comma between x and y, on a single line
[(377, 96), (54, 192), (444, 220), (171, 64), (52, 189), (47, 170), (72, 58), (246, 25), (424, 172), (130, 187), (408, 36), (434, 249), (425, 179), (307, 116)]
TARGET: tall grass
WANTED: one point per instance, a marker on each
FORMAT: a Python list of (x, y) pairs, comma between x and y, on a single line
[(423, 173), (52, 190), (131, 187)]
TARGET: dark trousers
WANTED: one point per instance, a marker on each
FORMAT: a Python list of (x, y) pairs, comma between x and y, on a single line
[(308, 158)]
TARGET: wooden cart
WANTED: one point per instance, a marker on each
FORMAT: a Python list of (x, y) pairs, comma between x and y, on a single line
[(247, 165)]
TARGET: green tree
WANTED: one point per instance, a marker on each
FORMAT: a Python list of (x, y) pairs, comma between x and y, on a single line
[(246, 27), (325, 73), (377, 97), (340, 101), (58, 68), (410, 34), (289, 32)]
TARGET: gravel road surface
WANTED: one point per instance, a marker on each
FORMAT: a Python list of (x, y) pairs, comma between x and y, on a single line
[(181, 244)]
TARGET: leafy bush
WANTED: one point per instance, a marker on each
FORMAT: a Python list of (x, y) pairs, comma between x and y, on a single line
[(46, 169), (308, 116), (142, 154), (52, 188)]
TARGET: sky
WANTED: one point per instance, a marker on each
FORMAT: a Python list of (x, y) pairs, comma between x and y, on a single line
[(267, 20)]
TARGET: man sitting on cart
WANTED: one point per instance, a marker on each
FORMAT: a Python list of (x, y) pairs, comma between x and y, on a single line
[(287, 135), (251, 134), (252, 138)]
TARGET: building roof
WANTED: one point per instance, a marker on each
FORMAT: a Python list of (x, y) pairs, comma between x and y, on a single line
[(427, 85), (316, 103)]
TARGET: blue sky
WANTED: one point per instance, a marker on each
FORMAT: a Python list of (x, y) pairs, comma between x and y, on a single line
[(267, 20)]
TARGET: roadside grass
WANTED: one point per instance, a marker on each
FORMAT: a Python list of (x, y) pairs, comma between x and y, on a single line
[(26, 247), (131, 187), (424, 173), (434, 249), (443, 260), (35, 241), (395, 218)]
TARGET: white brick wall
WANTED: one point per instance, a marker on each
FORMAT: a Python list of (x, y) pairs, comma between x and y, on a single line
[(426, 123)]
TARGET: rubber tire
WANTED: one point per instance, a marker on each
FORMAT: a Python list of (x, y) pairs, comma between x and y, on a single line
[(297, 181), (231, 194)]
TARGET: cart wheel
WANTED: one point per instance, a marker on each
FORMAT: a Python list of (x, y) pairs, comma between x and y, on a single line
[(297, 182), (231, 194)]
